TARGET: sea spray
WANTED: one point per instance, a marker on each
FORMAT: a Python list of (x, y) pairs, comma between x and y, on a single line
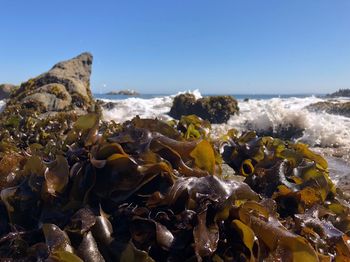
[(319, 129)]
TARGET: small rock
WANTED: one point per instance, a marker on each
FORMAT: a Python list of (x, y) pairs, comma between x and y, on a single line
[(6, 90)]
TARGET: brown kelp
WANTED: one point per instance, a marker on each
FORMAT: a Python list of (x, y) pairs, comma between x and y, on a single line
[(79, 189)]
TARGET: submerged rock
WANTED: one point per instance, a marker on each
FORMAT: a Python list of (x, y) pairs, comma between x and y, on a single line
[(337, 108), (65, 87), (6, 90), (286, 132), (216, 109)]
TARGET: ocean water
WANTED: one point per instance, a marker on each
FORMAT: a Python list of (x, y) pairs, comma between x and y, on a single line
[(260, 112)]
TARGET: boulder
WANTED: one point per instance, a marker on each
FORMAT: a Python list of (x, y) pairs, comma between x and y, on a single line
[(66, 87), (6, 90), (216, 109), (331, 107)]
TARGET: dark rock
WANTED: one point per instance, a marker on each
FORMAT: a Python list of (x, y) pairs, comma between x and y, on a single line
[(6, 90), (285, 132), (216, 109), (109, 105), (340, 93), (246, 99), (66, 87), (336, 108)]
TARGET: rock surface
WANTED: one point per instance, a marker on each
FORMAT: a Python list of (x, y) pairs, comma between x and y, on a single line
[(6, 90), (216, 109), (65, 87), (337, 108), (340, 93)]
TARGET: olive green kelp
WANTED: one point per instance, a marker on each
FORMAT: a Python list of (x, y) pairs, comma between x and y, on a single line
[(147, 190)]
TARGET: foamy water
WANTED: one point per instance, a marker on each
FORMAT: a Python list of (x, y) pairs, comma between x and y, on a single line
[(146, 108), (2, 104), (320, 129)]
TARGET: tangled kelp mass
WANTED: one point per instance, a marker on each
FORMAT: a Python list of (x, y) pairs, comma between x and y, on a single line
[(147, 190)]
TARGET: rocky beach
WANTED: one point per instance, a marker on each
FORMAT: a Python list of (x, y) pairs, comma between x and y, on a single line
[(180, 177)]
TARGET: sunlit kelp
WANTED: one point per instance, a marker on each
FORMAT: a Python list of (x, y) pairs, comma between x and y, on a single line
[(147, 190)]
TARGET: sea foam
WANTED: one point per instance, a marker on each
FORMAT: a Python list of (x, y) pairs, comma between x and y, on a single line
[(320, 129)]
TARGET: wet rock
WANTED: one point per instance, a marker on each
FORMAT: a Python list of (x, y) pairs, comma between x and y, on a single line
[(340, 93), (6, 90), (108, 105), (216, 109), (286, 132), (65, 87), (337, 108)]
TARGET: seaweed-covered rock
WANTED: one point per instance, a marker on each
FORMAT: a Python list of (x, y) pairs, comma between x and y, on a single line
[(65, 87), (340, 93), (216, 109), (337, 108), (5, 90), (43, 109)]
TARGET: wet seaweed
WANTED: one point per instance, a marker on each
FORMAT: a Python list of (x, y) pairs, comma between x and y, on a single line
[(80, 189)]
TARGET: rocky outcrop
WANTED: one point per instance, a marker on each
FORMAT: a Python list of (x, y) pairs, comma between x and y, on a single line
[(42, 109), (216, 109), (6, 90), (340, 93), (66, 87), (127, 92), (337, 108)]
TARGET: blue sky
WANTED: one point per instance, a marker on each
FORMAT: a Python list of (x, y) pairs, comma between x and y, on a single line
[(164, 46)]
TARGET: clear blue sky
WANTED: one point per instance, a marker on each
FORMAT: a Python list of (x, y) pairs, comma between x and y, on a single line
[(163, 46)]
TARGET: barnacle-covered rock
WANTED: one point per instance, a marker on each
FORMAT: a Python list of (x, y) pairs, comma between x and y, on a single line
[(65, 87), (43, 109)]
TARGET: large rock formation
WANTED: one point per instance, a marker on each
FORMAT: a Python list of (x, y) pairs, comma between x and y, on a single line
[(216, 109), (336, 108), (66, 87), (6, 90), (43, 109), (340, 93)]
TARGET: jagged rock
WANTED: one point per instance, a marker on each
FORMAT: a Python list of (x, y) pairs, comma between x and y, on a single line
[(340, 93), (65, 87), (6, 90), (337, 108), (216, 109)]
